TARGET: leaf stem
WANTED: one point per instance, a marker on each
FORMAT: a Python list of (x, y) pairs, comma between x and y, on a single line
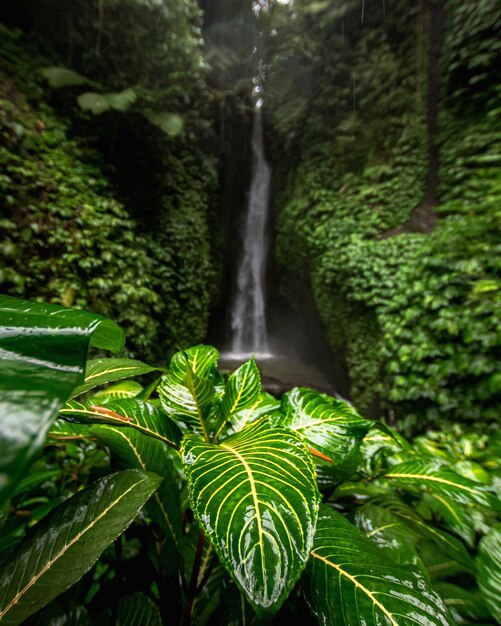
[(192, 587)]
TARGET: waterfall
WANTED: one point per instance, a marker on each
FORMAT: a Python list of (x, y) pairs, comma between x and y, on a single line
[(248, 313)]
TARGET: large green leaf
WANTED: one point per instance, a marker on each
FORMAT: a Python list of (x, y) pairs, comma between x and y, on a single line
[(445, 543), (129, 412), (123, 389), (440, 479), (331, 427), (458, 517), (350, 583), (66, 543), (42, 358), (170, 123), (201, 360), (265, 404), (137, 451), (138, 610), (188, 403), (462, 604), (242, 389), (489, 570), (103, 371), (389, 532), (256, 498)]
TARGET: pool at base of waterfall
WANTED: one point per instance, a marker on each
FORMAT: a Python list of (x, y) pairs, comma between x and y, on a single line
[(279, 373)]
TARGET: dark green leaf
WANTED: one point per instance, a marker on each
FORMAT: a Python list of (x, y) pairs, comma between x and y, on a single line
[(130, 412), (440, 479), (350, 583), (242, 389), (256, 498), (463, 605), (390, 533), (189, 402), (445, 543), (138, 451), (124, 389), (489, 570), (201, 360), (66, 543), (103, 371), (331, 427), (138, 610), (43, 349)]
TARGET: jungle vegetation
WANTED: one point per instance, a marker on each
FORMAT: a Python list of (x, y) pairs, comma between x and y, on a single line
[(124, 132)]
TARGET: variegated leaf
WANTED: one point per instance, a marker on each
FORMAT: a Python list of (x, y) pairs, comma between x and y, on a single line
[(331, 427), (458, 517), (256, 498), (200, 360), (136, 450), (242, 389), (66, 543), (102, 371), (265, 404), (444, 542), (188, 403), (389, 532), (124, 389), (131, 412), (348, 582), (489, 570), (440, 479)]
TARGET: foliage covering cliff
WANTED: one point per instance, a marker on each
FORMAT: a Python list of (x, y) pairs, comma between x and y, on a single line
[(404, 260), (108, 173)]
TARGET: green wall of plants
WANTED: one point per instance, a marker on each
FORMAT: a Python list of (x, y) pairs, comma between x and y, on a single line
[(407, 289), (110, 210)]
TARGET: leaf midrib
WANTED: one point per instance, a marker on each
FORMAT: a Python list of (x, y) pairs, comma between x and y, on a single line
[(435, 479), (110, 371), (256, 508), (369, 594), (59, 554), (143, 466)]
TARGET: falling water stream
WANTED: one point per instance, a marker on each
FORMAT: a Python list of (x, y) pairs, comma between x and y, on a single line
[(280, 366), (248, 313)]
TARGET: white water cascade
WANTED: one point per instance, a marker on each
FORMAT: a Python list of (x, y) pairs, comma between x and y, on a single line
[(248, 312)]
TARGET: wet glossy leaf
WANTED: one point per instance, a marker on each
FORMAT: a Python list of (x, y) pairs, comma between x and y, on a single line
[(440, 479), (188, 403), (265, 404), (389, 532), (379, 444), (43, 350), (256, 498), (457, 517), (349, 582), (66, 543), (136, 450), (138, 610), (445, 542), (201, 360), (103, 371), (130, 412), (242, 389), (330, 426), (463, 605), (125, 389), (489, 570)]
